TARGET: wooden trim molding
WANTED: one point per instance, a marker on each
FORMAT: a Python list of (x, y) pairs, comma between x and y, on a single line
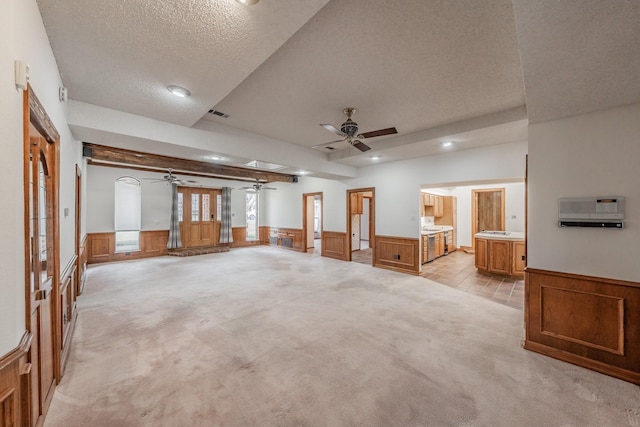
[(397, 253), (14, 393), (334, 245), (588, 321)]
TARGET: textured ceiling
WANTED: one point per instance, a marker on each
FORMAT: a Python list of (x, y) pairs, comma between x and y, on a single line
[(578, 57), (123, 54), (431, 68)]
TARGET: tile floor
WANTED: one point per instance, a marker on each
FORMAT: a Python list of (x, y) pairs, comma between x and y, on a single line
[(458, 270)]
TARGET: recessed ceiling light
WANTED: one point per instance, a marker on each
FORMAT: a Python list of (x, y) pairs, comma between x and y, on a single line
[(302, 172), (216, 158), (248, 2), (375, 157), (447, 144), (179, 91)]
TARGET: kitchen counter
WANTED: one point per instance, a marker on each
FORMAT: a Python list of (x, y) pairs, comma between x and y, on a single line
[(500, 235), (436, 229)]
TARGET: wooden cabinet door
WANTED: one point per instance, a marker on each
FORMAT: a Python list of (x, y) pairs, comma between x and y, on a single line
[(499, 256), (519, 260), (357, 202), (438, 206), (425, 249), (481, 254)]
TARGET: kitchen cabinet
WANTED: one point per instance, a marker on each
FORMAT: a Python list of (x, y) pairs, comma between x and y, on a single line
[(519, 259), (425, 248), (481, 254), (501, 257), (438, 207), (357, 203)]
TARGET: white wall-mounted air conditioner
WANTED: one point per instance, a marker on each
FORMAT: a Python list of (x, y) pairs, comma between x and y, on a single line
[(599, 212)]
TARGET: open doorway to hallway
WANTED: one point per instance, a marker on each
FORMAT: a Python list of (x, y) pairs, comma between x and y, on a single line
[(312, 222), (361, 224)]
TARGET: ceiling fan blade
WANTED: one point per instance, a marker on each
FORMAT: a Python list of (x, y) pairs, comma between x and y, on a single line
[(379, 132), (360, 145), (332, 128), (327, 144)]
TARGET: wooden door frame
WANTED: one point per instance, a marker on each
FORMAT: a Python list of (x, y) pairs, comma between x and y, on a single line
[(78, 228), (474, 209), (372, 222), (186, 231), (35, 114), (304, 217)]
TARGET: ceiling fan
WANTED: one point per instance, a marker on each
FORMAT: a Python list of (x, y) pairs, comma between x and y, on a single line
[(349, 130), (171, 179), (257, 187)]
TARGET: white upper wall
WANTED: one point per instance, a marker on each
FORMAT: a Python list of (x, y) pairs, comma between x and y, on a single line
[(589, 155), (397, 188), (23, 37), (397, 184), (155, 198)]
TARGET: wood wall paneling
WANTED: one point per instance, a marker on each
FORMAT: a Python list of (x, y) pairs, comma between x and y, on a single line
[(239, 235), (589, 321), (397, 253), (101, 246), (334, 245), (14, 385)]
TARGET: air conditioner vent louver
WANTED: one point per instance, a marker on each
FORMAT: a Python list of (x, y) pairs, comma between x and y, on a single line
[(218, 113)]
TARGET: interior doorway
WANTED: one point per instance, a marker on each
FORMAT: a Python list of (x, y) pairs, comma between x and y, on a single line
[(312, 222), (198, 215), (361, 225), (42, 257), (487, 210)]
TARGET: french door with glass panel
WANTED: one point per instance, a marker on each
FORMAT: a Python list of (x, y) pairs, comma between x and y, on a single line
[(198, 216)]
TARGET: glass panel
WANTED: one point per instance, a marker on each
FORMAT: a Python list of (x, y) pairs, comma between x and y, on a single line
[(252, 216), (219, 207), (180, 207), (206, 207), (42, 224), (32, 248), (195, 207), (127, 241)]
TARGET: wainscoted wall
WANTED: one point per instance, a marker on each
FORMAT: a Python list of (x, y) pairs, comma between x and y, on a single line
[(14, 384), (334, 245), (81, 271), (587, 321), (397, 253), (290, 238), (67, 312), (240, 238), (101, 246)]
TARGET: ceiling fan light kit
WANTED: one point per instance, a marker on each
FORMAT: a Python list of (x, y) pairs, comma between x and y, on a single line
[(349, 131)]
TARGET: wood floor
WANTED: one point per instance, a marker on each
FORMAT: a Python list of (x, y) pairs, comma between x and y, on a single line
[(458, 271)]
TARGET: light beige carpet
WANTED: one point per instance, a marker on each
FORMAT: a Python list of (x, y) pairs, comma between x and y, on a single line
[(269, 337)]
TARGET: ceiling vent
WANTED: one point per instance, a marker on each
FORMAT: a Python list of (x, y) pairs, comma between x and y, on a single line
[(218, 113)]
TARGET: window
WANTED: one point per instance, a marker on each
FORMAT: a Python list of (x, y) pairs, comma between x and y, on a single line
[(252, 216), (127, 214)]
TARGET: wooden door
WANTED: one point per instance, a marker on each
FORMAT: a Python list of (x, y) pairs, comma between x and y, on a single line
[(487, 210), (199, 225), (43, 271)]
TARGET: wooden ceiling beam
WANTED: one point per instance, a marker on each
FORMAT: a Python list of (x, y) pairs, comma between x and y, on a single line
[(101, 154)]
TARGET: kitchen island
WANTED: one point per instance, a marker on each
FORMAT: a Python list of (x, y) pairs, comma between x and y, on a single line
[(500, 253)]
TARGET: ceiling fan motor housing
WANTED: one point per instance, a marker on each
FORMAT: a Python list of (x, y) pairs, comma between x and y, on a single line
[(349, 127)]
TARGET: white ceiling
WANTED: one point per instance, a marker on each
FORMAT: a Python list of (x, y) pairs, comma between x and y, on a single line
[(435, 69)]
